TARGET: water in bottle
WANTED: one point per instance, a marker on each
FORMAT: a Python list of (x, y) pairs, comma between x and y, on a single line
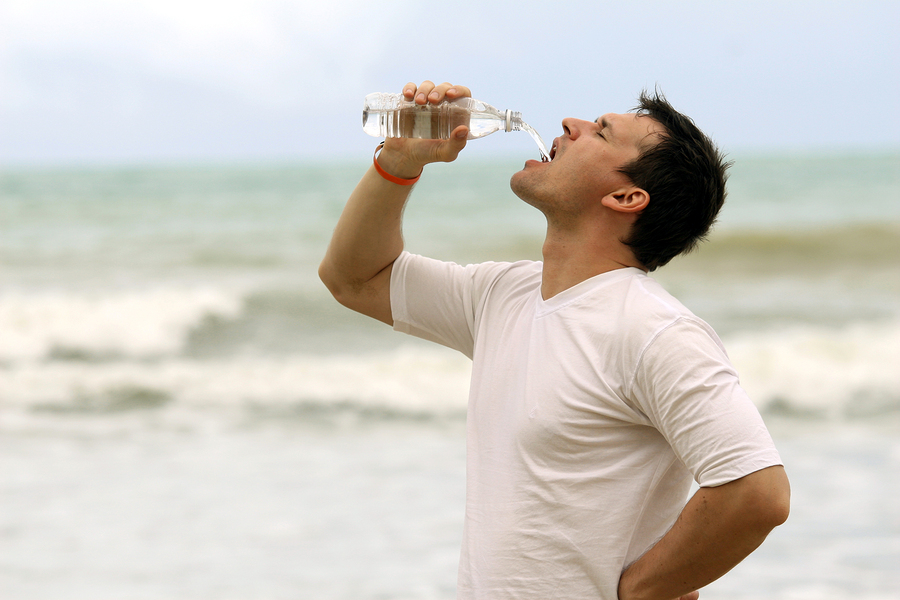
[(392, 115)]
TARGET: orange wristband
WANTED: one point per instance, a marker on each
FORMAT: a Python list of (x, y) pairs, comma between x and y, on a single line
[(387, 175)]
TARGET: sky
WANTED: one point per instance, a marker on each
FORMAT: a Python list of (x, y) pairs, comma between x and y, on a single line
[(180, 81)]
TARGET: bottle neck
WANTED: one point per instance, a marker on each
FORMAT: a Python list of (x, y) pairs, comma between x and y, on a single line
[(513, 120)]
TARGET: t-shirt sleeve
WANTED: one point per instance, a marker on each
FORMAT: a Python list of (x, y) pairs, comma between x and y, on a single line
[(439, 301), (691, 393)]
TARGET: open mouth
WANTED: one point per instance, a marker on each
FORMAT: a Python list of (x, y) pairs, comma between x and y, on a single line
[(552, 152)]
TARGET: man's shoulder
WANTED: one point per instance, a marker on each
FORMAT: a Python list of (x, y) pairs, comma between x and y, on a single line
[(639, 310), (485, 275), (504, 285), (520, 270), (649, 301), (656, 316)]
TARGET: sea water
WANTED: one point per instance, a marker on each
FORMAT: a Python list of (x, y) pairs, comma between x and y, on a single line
[(185, 413)]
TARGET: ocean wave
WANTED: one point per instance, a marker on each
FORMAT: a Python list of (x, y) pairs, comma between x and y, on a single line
[(806, 373), (132, 323), (410, 380), (823, 373)]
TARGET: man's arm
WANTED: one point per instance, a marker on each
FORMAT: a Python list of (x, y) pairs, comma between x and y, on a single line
[(368, 237), (717, 529)]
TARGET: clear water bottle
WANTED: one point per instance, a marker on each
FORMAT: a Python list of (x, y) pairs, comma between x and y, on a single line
[(392, 115)]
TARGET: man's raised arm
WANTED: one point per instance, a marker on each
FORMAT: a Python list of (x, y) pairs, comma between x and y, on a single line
[(368, 237)]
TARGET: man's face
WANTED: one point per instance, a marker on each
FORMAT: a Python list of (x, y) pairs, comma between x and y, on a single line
[(586, 161)]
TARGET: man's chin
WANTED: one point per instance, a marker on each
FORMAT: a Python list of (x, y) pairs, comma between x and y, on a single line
[(522, 186), (516, 182)]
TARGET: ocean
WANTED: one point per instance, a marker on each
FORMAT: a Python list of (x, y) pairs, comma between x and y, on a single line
[(186, 414)]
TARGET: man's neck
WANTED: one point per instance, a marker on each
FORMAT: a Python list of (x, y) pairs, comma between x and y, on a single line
[(571, 259)]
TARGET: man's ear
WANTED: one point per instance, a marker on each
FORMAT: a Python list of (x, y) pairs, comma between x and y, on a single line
[(629, 199)]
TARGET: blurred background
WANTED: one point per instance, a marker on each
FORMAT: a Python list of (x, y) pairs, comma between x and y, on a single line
[(186, 414)]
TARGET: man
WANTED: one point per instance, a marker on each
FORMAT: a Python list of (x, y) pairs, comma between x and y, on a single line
[(595, 396)]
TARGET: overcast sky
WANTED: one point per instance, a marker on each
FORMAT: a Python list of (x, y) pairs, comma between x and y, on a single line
[(190, 80)]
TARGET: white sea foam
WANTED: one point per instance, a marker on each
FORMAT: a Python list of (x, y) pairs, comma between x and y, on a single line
[(809, 373), (135, 323), (816, 371), (408, 380)]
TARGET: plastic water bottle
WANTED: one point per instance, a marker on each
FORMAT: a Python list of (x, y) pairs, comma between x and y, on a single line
[(392, 115)]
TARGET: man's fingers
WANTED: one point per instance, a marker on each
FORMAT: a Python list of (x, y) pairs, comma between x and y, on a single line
[(427, 91), (439, 93), (428, 151), (458, 91), (422, 91), (450, 149)]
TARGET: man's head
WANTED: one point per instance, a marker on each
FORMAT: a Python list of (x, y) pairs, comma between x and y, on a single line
[(684, 174)]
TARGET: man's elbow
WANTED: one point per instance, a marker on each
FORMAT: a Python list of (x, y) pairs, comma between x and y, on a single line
[(326, 276), (781, 505), (770, 501), (338, 287), (370, 297)]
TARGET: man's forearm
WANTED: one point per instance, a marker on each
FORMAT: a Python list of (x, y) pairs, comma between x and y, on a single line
[(366, 241), (716, 530), (368, 236)]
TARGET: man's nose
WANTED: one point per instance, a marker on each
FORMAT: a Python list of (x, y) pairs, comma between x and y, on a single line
[(573, 127), (570, 126)]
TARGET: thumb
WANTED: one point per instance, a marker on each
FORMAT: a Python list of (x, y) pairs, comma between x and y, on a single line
[(450, 149)]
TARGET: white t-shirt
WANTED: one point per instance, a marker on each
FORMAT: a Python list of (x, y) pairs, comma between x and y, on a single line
[(589, 414)]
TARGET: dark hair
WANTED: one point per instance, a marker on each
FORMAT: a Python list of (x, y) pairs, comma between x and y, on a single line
[(684, 174)]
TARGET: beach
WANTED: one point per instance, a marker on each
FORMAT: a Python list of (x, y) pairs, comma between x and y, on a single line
[(185, 413)]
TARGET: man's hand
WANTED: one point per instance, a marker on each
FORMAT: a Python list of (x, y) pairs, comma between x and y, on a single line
[(405, 157), (717, 529)]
